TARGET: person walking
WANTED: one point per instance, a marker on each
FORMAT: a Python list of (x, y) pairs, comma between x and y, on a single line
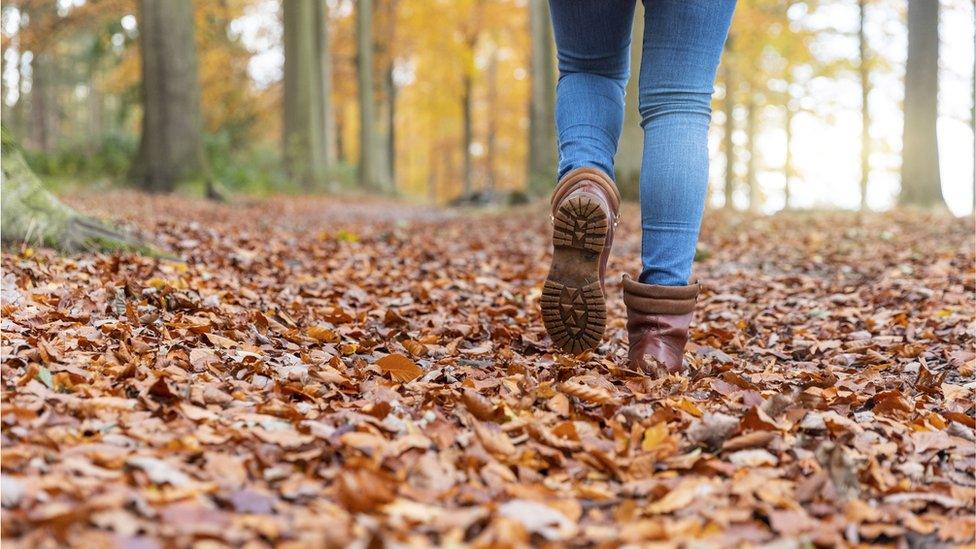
[(682, 44)]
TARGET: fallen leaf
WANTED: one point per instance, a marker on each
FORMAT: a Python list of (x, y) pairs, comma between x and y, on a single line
[(400, 367)]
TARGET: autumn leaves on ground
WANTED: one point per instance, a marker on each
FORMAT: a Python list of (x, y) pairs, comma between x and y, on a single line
[(321, 371)]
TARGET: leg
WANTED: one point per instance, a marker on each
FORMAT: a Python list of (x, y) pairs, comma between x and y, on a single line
[(593, 48), (683, 41), (593, 44)]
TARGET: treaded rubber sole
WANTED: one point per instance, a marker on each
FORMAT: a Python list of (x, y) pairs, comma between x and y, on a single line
[(574, 309)]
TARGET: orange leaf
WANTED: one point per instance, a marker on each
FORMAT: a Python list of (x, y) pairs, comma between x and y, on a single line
[(322, 334), (400, 367)]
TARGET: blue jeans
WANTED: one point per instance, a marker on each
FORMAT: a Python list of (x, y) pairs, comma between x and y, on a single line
[(683, 41)]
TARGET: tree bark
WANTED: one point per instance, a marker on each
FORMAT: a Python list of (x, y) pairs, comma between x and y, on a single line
[(788, 158), (303, 126), (325, 63), (41, 103), (920, 179), (370, 172), (864, 74), (31, 215), (466, 132), (728, 76), (386, 100), (171, 144), (490, 139), (630, 152), (752, 113), (542, 104)]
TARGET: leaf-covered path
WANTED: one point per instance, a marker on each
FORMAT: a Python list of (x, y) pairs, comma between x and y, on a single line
[(323, 372)]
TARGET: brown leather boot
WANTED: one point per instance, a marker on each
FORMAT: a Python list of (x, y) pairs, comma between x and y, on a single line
[(657, 324), (584, 212)]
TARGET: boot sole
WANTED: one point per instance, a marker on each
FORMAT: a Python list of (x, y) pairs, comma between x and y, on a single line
[(574, 308)]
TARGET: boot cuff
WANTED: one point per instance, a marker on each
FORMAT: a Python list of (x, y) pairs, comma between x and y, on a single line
[(655, 299)]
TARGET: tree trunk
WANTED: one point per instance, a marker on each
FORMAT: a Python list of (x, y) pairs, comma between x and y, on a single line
[(171, 144), (728, 75), (788, 159), (920, 180), (325, 62), (31, 215), (466, 132), (752, 113), (630, 152), (303, 126), (542, 104), (391, 90), (370, 172), (41, 105), (96, 109), (490, 139), (19, 115), (864, 74), (386, 139)]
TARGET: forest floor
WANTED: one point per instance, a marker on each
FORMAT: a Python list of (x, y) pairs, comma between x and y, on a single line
[(321, 372)]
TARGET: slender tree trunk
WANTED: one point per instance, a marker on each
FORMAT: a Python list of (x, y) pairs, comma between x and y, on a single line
[(325, 63), (630, 152), (466, 129), (386, 139), (340, 144), (490, 139), (40, 96), (370, 172), (972, 112), (752, 113), (788, 159), (96, 109), (728, 75), (920, 180), (171, 145), (542, 104), (304, 120), (5, 110), (391, 123), (864, 74), (728, 145), (19, 116)]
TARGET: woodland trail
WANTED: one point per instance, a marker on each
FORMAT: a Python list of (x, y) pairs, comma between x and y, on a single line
[(324, 372)]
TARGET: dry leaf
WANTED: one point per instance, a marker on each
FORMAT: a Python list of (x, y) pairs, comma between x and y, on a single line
[(400, 367)]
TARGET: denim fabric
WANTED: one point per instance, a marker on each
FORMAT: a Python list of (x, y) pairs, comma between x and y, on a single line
[(682, 43)]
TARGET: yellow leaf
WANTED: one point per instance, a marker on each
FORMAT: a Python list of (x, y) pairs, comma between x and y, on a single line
[(687, 406), (343, 235), (157, 283), (654, 436), (400, 367)]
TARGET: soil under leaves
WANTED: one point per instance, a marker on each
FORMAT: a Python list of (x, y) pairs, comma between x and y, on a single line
[(320, 372)]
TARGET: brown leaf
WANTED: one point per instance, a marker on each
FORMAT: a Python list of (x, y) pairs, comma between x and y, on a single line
[(400, 367), (586, 393), (712, 429), (479, 406), (364, 491), (494, 439)]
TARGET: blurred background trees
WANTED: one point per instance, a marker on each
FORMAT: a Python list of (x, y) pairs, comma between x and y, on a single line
[(819, 103)]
